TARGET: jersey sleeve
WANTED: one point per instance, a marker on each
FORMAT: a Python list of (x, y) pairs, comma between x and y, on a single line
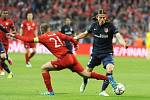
[(114, 29), (90, 28), (69, 38)]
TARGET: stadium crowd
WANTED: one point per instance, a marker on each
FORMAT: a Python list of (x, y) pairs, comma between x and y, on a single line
[(132, 17)]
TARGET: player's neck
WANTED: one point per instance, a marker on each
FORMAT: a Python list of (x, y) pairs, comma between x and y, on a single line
[(30, 20)]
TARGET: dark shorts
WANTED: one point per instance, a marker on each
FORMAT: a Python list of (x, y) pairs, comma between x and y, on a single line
[(96, 60), (2, 49), (68, 61)]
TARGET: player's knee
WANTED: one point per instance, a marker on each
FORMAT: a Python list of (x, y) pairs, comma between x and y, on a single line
[(109, 68), (3, 56), (43, 68)]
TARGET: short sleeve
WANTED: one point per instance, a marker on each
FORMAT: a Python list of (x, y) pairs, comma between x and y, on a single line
[(114, 29), (90, 28)]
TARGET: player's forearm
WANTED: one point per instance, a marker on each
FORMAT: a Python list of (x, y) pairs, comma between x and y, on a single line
[(81, 35), (120, 39), (25, 39), (69, 38)]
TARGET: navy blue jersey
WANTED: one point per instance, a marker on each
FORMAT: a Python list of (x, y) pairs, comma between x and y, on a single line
[(66, 29), (103, 35), (2, 50)]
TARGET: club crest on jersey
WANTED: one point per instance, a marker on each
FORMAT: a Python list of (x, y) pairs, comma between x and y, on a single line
[(106, 30)]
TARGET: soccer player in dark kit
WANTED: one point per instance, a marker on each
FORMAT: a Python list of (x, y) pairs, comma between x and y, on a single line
[(68, 30), (102, 30), (54, 42)]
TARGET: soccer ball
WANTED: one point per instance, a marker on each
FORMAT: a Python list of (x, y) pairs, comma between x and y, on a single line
[(120, 89)]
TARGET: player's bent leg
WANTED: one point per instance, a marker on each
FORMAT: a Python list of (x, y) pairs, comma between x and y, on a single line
[(47, 78), (85, 81), (5, 66), (94, 75), (27, 54), (109, 69), (32, 53)]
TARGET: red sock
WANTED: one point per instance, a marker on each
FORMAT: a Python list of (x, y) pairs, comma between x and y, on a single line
[(27, 58), (47, 81), (98, 76)]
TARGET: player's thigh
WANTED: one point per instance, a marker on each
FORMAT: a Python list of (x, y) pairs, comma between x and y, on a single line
[(94, 61), (48, 67), (108, 62)]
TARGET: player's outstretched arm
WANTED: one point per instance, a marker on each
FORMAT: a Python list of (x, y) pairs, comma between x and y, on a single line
[(22, 38), (121, 40), (81, 35)]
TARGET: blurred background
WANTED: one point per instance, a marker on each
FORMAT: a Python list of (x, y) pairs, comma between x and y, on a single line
[(132, 17)]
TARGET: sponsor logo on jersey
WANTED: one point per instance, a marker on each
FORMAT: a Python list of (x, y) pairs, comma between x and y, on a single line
[(106, 30)]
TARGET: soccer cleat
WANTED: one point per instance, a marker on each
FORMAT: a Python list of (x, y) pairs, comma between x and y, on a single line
[(10, 75), (82, 87), (2, 73), (48, 93), (28, 65), (103, 93)]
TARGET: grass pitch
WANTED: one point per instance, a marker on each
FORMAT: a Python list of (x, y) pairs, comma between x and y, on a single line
[(27, 83)]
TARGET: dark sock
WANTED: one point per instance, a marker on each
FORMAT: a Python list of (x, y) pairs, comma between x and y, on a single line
[(85, 80), (105, 83), (5, 66)]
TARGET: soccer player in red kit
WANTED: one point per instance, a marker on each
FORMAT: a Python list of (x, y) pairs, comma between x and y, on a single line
[(29, 29), (8, 25), (54, 42)]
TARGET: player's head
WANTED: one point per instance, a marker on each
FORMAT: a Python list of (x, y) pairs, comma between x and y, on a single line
[(4, 13), (67, 21), (44, 27), (29, 15), (100, 16)]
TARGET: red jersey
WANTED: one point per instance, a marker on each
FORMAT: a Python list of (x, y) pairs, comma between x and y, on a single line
[(29, 28), (53, 41), (8, 24)]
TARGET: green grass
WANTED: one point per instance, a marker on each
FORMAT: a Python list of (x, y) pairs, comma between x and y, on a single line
[(27, 83)]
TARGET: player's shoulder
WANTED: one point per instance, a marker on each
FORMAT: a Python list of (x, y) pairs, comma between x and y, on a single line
[(24, 21), (108, 22)]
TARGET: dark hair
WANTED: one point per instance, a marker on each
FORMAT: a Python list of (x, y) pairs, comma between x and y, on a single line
[(100, 11), (28, 12), (44, 27)]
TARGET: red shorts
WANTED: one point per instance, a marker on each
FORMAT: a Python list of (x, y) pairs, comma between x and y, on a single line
[(29, 45), (68, 61)]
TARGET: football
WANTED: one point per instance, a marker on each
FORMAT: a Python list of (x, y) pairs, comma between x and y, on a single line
[(120, 89)]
